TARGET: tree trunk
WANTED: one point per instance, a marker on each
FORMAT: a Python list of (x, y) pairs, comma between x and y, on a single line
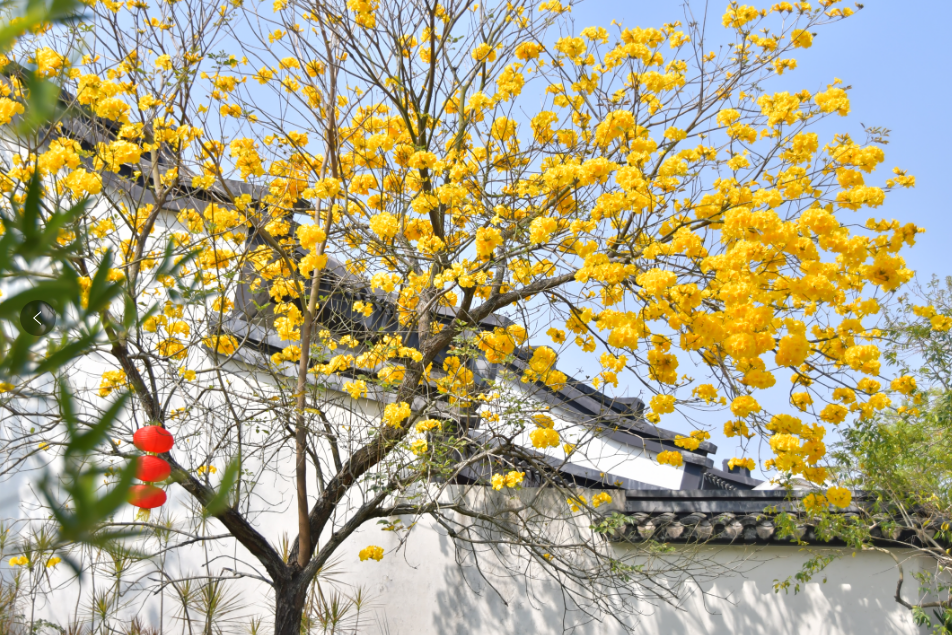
[(289, 607)]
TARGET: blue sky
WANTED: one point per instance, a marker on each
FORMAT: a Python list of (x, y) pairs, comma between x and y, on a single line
[(894, 57)]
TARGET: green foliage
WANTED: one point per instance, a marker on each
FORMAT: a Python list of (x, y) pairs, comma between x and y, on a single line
[(613, 523), (810, 569), (35, 13), (916, 347), (905, 454), (943, 626), (223, 497), (902, 458), (80, 522), (43, 103), (30, 241), (907, 457)]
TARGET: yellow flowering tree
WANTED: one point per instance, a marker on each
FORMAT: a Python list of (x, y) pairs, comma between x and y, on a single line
[(504, 187)]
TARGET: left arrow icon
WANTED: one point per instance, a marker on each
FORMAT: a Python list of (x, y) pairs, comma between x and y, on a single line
[(37, 318)]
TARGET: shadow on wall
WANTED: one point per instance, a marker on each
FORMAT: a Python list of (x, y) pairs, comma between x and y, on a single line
[(468, 602), (424, 591), (857, 597)]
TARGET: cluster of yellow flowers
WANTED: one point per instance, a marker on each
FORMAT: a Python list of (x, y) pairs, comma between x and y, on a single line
[(222, 344), (23, 561), (422, 427), (356, 389), (512, 480), (9, 109), (287, 354), (500, 343), (941, 323), (578, 502), (396, 413), (372, 552), (670, 457), (692, 442), (748, 463), (111, 379), (545, 435), (458, 381), (542, 368), (837, 496)]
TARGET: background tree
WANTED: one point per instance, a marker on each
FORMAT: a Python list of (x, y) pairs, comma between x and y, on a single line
[(660, 205), (902, 456)]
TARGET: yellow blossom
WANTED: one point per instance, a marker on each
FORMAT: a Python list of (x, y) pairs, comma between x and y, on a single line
[(371, 553), (111, 379), (801, 38), (744, 406), (747, 463), (356, 389), (600, 498), (396, 413), (839, 496), (669, 457), (814, 503), (663, 404)]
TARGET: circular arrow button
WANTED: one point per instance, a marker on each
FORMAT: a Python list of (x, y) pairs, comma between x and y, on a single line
[(37, 318)]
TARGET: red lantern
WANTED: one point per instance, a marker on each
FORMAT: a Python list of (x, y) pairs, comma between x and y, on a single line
[(152, 469), (153, 439), (146, 496)]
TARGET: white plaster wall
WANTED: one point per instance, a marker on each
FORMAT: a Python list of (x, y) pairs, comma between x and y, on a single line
[(422, 591), (611, 457), (595, 450), (419, 588)]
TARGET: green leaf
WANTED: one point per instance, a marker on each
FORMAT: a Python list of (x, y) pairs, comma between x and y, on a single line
[(43, 104), (82, 521), (52, 292), (101, 291), (85, 442), (64, 355), (221, 498)]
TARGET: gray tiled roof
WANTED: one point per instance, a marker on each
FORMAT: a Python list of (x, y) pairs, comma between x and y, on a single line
[(753, 517)]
